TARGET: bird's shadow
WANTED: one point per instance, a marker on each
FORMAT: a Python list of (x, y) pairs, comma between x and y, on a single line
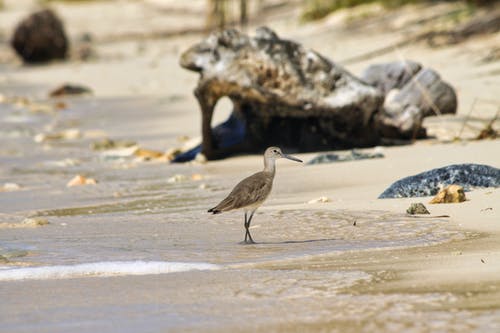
[(289, 242)]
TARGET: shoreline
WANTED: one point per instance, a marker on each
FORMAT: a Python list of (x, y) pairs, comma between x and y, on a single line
[(155, 212)]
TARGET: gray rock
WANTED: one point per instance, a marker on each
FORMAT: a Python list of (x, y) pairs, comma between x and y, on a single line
[(392, 75), (404, 110), (417, 208), (427, 92), (430, 182), (40, 38), (350, 156)]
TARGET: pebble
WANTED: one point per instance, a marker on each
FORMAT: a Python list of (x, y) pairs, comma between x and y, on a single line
[(69, 134), (79, 180), (148, 154), (450, 194), (319, 200), (107, 144), (119, 153), (35, 221), (9, 187), (67, 162), (196, 177), (417, 208), (177, 179)]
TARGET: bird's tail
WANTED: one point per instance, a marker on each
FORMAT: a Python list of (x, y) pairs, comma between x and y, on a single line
[(214, 210)]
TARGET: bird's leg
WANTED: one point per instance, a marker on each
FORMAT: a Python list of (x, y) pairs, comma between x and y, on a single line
[(247, 226)]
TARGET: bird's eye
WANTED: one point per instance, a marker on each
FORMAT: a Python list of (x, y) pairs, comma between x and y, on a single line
[(275, 151)]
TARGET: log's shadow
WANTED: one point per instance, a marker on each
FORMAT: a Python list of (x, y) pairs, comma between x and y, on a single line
[(290, 242)]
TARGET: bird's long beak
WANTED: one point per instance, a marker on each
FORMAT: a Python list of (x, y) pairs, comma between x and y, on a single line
[(291, 158)]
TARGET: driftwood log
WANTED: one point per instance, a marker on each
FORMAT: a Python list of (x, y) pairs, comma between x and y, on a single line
[(286, 95)]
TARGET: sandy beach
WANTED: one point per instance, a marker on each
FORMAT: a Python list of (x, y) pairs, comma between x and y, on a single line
[(137, 251)]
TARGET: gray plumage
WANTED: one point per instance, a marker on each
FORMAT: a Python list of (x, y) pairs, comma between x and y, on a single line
[(252, 191)]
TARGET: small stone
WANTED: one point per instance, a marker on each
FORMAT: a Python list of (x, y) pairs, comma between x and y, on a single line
[(177, 179), (196, 177), (60, 106), (35, 221), (148, 154), (69, 134), (40, 137), (90, 181), (417, 208), (76, 181), (70, 89), (95, 134), (67, 162), (20, 102), (118, 153), (106, 144), (9, 187), (319, 200), (450, 194), (79, 180), (41, 108)]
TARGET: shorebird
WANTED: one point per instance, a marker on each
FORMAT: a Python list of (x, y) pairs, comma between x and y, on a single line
[(252, 191)]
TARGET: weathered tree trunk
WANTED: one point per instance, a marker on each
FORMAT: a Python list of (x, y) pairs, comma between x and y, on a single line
[(288, 96)]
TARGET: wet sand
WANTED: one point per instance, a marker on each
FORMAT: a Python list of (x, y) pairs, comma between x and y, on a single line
[(129, 254)]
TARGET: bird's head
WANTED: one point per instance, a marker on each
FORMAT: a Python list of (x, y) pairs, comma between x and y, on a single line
[(275, 153)]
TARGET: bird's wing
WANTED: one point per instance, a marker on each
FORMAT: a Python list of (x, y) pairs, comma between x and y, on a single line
[(249, 191)]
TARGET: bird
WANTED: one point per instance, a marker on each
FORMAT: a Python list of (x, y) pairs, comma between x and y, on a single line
[(250, 193)]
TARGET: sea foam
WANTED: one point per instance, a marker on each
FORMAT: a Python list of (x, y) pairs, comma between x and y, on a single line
[(101, 269)]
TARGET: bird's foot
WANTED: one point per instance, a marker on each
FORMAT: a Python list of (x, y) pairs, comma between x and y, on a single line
[(247, 242)]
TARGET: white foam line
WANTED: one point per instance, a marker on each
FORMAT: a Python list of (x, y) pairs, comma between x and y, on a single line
[(101, 269)]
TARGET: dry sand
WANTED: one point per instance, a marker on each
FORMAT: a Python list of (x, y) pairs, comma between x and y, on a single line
[(450, 287)]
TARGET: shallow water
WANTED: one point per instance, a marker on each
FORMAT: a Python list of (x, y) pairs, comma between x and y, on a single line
[(137, 252)]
